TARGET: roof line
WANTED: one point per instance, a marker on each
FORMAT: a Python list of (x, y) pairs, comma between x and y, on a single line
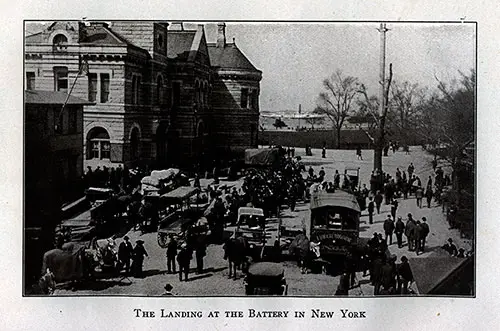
[(114, 35), (195, 45)]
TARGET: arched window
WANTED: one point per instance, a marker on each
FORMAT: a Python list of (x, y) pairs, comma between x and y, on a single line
[(60, 39), (59, 43), (98, 144), (205, 94), (197, 93), (159, 90)]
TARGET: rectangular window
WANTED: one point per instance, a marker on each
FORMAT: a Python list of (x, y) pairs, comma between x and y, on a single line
[(105, 150), (72, 114), (176, 93), (30, 80), (104, 87), (92, 87), (94, 152), (61, 79), (136, 89), (244, 98)]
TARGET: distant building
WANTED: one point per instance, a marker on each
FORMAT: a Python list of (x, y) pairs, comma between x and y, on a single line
[(161, 97)]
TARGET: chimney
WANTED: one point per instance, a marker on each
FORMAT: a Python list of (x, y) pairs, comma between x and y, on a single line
[(221, 35)]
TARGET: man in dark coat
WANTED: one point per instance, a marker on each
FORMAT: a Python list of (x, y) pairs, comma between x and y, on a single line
[(394, 208), (138, 258), (418, 237), (201, 251), (336, 179), (376, 273), (378, 200), (371, 208), (419, 194), (450, 247), (388, 229), (388, 276), (171, 253), (410, 232), (425, 233), (400, 229), (405, 276), (184, 260), (125, 253), (428, 196)]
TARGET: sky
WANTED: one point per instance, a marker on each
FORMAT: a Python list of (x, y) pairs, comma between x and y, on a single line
[(295, 58)]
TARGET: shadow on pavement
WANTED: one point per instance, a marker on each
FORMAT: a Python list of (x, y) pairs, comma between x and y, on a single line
[(212, 269), (94, 285), (200, 277), (152, 272)]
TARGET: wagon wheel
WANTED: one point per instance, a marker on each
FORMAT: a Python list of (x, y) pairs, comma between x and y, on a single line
[(162, 240)]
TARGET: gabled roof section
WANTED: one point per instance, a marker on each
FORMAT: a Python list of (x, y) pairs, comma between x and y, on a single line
[(98, 34), (229, 57), (179, 44), (52, 98), (34, 38)]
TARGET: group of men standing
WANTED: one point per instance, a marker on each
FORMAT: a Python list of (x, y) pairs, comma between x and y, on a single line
[(126, 253)]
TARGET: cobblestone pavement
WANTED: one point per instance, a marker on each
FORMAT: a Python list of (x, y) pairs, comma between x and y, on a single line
[(214, 282)]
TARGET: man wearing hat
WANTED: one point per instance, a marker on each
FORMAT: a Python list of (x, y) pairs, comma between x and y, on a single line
[(138, 258), (450, 247), (410, 232), (184, 259), (171, 253), (425, 233), (125, 253), (399, 230), (405, 275), (168, 290), (389, 229)]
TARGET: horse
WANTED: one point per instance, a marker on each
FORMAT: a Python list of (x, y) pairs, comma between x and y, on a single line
[(235, 251)]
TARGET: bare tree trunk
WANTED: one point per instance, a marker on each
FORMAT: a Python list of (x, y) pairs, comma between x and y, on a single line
[(338, 139)]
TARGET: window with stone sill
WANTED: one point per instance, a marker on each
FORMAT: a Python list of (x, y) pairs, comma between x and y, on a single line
[(104, 88), (244, 98), (61, 79), (92, 87), (30, 80)]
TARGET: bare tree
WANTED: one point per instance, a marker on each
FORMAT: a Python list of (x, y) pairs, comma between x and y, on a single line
[(337, 99), (406, 105), (314, 120)]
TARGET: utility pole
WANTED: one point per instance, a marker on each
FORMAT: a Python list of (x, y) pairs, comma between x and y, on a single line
[(300, 111), (380, 141)]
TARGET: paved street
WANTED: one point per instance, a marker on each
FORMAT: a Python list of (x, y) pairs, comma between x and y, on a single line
[(215, 281)]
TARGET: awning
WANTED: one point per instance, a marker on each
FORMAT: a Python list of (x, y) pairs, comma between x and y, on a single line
[(440, 273), (181, 193), (337, 199), (250, 211)]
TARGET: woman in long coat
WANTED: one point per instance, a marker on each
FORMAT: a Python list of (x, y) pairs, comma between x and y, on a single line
[(138, 258)]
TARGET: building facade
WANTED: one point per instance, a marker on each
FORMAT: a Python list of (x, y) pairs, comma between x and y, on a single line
[(53, 162), (161, 96)]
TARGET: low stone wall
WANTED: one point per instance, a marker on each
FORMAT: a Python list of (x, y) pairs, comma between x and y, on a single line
[(350, 139)]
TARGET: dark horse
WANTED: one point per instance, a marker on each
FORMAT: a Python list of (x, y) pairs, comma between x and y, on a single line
[(236, 251)]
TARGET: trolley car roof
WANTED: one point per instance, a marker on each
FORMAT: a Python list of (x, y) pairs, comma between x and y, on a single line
[(181, 193), (337, 199)]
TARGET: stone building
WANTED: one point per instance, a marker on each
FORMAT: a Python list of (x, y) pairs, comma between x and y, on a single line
[(235, 95), (161, 96)]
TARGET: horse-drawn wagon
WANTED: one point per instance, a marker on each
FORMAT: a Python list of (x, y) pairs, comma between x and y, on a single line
[(262, 233), (184, 220), (334, 222)]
